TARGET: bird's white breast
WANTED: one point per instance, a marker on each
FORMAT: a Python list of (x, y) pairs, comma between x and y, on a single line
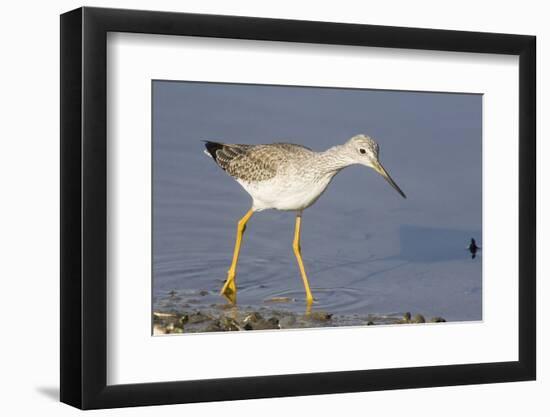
[(283, 194)]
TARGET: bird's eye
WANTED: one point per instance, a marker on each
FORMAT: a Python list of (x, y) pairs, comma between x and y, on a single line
[(362, 150)]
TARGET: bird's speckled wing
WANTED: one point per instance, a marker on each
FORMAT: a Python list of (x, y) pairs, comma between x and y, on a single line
[(254, 163)]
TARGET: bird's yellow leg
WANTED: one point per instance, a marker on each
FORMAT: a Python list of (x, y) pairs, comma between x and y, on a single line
[(229, 289), (298, 253)]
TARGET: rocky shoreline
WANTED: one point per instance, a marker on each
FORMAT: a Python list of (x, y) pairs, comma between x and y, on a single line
[(230, 318)]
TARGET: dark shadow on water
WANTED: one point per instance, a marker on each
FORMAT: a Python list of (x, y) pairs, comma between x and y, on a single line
[(427, 244)]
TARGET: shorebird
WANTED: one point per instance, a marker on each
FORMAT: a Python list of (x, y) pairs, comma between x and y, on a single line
[(289, 177), (473, 248)]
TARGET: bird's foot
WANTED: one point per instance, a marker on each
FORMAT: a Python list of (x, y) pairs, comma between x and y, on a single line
[(229, 290)]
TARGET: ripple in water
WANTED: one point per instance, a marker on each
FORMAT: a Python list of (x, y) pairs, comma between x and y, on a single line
[(339, 300)]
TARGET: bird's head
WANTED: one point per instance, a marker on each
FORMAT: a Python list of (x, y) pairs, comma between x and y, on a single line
[(362, 149)]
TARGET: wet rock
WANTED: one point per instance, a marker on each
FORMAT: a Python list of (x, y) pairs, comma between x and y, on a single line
[(169, 327), (197, 317), (287, 322), (228, 324), (437, 320), (271, 323), (228, 317), (320, 316), (418, 318), (158, 330), (214, 326), (253, 317), (203, 293)]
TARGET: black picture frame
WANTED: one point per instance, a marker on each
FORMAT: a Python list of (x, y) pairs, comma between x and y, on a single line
[(84, 207)]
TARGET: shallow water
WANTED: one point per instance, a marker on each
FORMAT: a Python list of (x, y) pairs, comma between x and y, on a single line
[(366, 250)]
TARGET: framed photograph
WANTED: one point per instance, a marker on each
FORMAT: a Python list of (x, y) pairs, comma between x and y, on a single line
[(257, 208)]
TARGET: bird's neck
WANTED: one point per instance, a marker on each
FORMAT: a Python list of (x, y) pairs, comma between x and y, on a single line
[(333, 160)]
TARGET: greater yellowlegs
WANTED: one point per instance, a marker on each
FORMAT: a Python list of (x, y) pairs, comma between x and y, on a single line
[(284, 176)]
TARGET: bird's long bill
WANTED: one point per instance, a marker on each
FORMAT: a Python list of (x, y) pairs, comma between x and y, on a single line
[(382, 171)]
